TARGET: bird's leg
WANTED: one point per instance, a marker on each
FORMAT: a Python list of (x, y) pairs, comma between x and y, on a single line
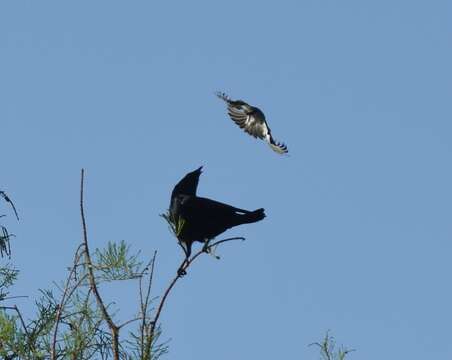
[(206, 248), (181, 271)]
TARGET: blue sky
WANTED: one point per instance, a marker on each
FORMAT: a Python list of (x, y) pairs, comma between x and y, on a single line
[(358, 232)]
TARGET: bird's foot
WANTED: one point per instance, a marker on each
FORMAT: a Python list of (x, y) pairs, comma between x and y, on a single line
[(210, 250), (206, 248), (181, 272)]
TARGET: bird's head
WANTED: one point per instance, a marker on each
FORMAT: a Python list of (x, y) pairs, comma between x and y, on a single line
[(188, 184)]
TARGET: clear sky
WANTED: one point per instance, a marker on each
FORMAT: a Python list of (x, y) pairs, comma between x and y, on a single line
[(358, 234)]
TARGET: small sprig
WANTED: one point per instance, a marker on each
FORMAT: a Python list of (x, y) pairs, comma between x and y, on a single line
[(8, 200), (5, 236), (176, 225), (328, 349), (116, 263)]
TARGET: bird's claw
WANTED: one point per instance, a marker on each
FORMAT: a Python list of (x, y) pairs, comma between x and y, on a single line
[(206, 248)]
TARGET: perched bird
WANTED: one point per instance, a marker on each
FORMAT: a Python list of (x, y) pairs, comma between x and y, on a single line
[(252, 120), (201, 219)]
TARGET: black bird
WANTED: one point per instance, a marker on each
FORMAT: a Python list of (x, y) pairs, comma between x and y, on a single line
[(201, 219), (252, 120)]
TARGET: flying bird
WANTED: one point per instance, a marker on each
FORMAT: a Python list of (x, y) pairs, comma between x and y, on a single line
[(202, 219), (252, 120)]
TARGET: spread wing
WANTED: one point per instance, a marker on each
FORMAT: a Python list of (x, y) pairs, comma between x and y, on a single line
[(249, 119), (252, 120)]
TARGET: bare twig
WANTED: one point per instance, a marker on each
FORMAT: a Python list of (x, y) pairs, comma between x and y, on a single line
[(225, 240), (92, 281), (129, 322), (5, 246), (15, 297), (8, 200)]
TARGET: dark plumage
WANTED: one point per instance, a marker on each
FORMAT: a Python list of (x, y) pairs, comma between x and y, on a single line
[(252, 120), (202, 219)]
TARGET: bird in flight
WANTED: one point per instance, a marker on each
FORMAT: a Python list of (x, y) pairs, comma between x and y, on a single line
[(252, 120), (202, 219)]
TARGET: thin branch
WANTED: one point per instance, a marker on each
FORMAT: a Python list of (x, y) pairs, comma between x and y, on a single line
[(183, 267), (29, 337), (144, 306), (8, 200), (129, 322), (16, 309), (225, 240), (92, 281), (15, 297), (65, 296)]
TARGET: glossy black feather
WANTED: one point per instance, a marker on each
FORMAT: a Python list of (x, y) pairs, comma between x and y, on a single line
[(203, 219)]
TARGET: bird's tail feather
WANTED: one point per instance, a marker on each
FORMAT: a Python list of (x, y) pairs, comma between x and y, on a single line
[(276, 146), (223, 96), (251, 217)]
